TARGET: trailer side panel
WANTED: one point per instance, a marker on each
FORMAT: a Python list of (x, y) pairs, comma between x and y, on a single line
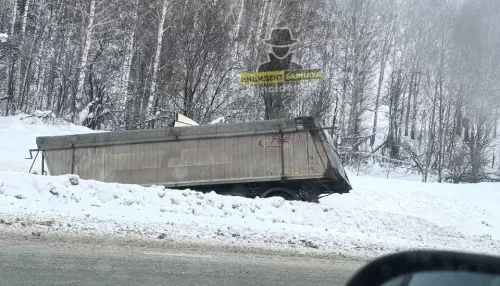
[(266, 151), (215, 160)]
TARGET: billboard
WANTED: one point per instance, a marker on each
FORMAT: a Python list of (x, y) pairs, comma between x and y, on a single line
[(280, 67), (280, 79)]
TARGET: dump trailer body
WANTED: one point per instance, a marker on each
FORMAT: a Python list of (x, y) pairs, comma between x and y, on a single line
[(203, 156)]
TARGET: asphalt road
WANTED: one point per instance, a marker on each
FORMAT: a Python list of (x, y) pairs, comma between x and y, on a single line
[(69, 264)]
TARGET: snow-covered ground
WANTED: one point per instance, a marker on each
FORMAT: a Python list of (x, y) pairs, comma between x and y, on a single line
[(378, 216), (18, 134), (388, 172)]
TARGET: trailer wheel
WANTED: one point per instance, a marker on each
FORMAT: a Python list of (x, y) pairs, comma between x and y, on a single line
[(309, 194), (285, 193)]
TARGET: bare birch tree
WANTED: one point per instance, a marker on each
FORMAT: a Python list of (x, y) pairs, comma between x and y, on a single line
[(78, 103)]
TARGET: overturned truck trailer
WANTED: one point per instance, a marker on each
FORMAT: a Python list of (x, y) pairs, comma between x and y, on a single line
[(291, 158)]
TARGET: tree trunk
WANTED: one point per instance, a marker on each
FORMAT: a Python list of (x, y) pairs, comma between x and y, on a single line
[(345, 81), (474, 158), (383, 62), (431, 140), (441, 109), (13, 19), (415, 106), (39, 64), (78, 103), (239, 22), (408, 104), (32, 69), (12, 58), (18, 61), (51, 58), (129, 55), (153, 97)]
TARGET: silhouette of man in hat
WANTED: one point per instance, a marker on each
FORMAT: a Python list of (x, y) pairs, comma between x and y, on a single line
[(280, 58)]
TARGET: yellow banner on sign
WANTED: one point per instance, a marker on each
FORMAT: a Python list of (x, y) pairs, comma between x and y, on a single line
[(260, 78), (279, 77)]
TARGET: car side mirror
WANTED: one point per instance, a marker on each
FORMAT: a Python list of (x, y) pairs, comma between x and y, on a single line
[(419, 268)]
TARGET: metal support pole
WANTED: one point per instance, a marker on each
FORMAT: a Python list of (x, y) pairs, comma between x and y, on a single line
[(43, 164), (282, 155), (73, 158), (33, 163)]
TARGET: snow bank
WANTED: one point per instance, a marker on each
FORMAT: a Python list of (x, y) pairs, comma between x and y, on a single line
[(379, 216), (18, 135)]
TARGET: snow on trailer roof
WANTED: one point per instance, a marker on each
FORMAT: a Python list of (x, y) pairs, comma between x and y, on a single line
[(175, 133)]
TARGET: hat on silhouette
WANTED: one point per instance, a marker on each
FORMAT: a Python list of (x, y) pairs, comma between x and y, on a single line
[(281, 38)]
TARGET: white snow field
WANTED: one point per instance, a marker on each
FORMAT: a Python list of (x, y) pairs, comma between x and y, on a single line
[(377, 217), (18, 134)]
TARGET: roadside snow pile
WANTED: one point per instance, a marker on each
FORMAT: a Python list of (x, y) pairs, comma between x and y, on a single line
[(18, 135), (379, 216)]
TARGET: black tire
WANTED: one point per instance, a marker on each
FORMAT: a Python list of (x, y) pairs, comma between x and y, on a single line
[(285, 193)]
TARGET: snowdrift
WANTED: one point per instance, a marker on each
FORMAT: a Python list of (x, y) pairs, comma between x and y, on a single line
[(18, 134), (378, 217)]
